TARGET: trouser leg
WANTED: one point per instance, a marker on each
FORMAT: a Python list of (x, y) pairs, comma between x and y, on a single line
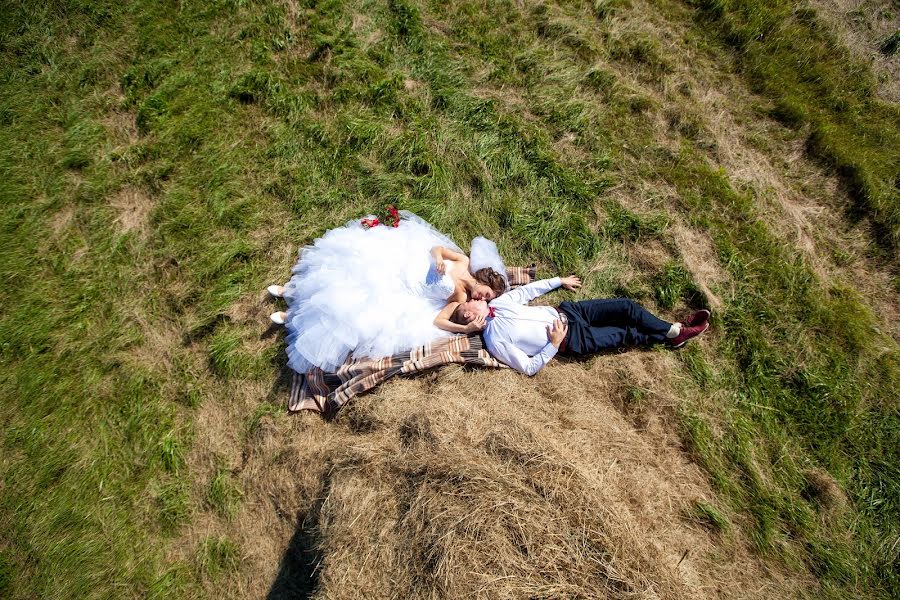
[(597, 339), (622, 312), (612, 323)]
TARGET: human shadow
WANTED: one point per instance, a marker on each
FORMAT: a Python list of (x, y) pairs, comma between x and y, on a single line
[(298, 573)]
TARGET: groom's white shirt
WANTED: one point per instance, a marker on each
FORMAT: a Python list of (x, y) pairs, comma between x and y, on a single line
[(517, 334)]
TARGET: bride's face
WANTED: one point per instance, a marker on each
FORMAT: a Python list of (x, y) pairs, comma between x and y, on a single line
[(483, 292)]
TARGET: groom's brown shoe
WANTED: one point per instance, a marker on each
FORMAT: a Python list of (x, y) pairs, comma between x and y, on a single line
[(687, 333), (698, 318)]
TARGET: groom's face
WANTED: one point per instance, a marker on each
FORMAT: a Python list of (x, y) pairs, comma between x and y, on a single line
[(474, 308)]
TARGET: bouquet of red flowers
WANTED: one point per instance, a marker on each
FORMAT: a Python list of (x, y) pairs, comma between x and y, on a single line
[(392, 218)]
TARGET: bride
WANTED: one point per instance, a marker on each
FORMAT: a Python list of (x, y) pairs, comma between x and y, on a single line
[(375, 291)]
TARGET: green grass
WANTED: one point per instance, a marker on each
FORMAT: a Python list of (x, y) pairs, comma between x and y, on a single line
[(173, 502), (256, 130), (710, 516), (223, 495), (217, 556), (674, 284), (806, 378), (626, 226)]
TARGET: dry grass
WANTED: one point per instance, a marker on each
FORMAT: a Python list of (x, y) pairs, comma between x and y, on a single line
[(132, 207), (430, 487), (120, 124), (827, 493), (795, 213), (699, 257), (62, 220)]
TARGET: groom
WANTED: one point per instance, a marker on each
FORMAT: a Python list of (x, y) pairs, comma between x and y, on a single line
[(527, 337)]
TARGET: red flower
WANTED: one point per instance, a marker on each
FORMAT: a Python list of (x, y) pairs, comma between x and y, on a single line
[(394, 216)]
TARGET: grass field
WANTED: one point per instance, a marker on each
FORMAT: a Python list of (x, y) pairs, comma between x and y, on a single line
[(161, 163)]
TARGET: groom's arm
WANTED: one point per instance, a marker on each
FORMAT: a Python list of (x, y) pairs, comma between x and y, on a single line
[(507, 353), (527, 293)]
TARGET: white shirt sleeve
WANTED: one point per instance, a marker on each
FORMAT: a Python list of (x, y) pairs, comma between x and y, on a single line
[(527, 293), (511, 355)]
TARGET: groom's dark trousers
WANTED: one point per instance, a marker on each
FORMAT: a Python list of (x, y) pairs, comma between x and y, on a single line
[(596, 325)]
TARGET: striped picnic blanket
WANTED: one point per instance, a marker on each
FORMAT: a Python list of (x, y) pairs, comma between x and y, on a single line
[(326, 393)]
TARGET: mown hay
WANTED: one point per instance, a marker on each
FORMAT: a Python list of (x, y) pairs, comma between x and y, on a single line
[(463, 484)]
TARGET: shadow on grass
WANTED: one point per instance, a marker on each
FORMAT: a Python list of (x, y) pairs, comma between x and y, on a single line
[(298, 574), (299, 571), (281, 386), (569, 358), (274, 331)]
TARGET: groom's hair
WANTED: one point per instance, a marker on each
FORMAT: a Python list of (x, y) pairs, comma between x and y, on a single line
[(458, 317), (492, 279)]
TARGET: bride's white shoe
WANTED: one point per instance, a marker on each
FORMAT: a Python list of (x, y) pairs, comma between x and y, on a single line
[(278, 317), (276, 290)]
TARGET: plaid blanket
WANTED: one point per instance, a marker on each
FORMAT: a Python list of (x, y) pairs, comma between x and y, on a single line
[(328, 392)]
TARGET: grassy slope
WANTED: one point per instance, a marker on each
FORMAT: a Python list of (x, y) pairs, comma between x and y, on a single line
[(815, 80), (212, 125)]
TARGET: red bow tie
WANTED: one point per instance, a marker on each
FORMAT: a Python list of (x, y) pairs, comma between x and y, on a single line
[(492, 312)]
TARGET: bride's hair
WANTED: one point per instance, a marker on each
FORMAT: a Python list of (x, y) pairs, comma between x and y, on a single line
[(491, 278)]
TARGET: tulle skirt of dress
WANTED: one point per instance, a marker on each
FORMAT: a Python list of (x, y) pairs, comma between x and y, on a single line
[(372, 292)]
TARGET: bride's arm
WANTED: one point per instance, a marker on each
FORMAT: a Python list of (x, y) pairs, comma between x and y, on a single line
[(441, 254), (442, 321)]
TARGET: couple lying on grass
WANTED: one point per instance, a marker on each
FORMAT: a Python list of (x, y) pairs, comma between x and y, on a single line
[(373, 291)]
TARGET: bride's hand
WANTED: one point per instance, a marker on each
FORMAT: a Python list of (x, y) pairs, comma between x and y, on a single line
[(440, 266), (477, 325)]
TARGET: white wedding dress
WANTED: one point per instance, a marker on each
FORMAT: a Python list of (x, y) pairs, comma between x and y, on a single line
[(369, 291)]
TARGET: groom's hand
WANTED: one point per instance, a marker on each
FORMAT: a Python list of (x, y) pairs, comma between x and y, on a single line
[(557, 333), (571, 282)]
